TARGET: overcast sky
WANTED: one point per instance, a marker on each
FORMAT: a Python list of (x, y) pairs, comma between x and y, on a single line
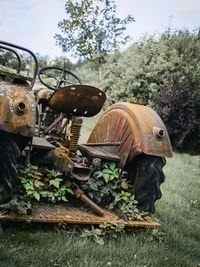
[(33, 23)]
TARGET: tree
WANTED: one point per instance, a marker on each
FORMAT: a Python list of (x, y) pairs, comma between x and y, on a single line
[(61, 61), (91, 28), (8, 59), (43, 61)]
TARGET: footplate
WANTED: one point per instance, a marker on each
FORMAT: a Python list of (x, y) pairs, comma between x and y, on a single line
[(57, 213)]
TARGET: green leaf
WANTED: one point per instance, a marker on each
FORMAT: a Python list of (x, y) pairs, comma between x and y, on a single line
[(36, 196), (105, 165), (68, 190), (125, 198), (107, 171), (98, 174), (64, 198), (106, 177), (124, 184), (44, 193), (112, 166), (112, 177), (94, 187), (136, 210), (55, 183), (90, 195), (28, 186)]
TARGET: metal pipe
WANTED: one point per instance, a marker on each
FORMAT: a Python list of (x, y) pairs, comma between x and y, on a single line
[(28, 51)]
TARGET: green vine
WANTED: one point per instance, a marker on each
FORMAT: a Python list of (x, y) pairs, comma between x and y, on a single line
[(110, 188), (42, 184), (102, 185), (107, 186)]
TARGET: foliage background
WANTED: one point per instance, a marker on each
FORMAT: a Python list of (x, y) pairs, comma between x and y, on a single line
[(163, 73)]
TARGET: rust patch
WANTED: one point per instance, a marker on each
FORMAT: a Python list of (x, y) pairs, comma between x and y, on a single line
[(55, 213), (79, 100), (134, 126), (17, 109)]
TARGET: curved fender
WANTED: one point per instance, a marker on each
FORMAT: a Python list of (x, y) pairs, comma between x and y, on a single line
[(137, 127)]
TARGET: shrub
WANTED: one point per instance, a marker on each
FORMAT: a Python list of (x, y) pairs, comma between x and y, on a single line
[(138, 72), (178, 104), (162, 72)]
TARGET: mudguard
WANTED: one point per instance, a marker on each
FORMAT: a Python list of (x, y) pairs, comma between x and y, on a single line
[(137, 127)]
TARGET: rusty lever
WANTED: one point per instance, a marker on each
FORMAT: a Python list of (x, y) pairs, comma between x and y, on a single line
[(80, 194)]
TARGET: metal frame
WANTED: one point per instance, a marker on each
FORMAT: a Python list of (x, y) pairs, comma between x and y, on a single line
[(7, 45)]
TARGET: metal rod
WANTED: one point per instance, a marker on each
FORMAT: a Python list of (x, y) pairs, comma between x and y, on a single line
[(63, 126), (104, 144), (28, 51), (80, 194), (39, 118), (54, 123)]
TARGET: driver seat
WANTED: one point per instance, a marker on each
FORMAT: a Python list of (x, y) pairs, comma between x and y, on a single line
[(77, 100)]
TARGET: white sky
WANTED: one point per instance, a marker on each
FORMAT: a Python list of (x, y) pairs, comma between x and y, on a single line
[(33, 23)]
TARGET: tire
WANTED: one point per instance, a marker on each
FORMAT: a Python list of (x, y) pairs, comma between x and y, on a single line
[(9, 152), (148, 176)]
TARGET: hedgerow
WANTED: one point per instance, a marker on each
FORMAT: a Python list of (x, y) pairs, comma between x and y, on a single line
[(166, 69), (178, 104)]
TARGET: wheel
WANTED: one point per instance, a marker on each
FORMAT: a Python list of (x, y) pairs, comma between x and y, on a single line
[(133, 126), (9, 152), (146, 172), (54, 77)]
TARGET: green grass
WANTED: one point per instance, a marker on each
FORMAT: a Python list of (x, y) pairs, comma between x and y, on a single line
[(178, 212), (88, 125)]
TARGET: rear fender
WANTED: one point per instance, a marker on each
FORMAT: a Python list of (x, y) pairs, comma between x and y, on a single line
[(138, 127)]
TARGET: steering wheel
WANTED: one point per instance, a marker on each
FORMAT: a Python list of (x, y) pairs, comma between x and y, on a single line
[(54, 78)]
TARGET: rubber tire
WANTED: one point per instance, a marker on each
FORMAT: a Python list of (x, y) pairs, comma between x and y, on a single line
[(147, 183), (9, 152)]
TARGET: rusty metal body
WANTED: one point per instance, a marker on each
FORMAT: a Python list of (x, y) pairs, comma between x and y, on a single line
[(55, 213), (123, 132), (134, 126), (17, 102), (17, 106)]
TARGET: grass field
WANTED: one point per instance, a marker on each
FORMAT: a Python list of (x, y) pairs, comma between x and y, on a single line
[(176, 244)]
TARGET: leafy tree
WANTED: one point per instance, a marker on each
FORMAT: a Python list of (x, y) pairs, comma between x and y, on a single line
[(163, 72), (43, 61), (91, 28), (61, 61), (8, 59), (144, 68)]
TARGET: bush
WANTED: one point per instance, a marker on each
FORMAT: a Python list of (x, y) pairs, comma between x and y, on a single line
[(135, 74), (178, 104), (162, 72)]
